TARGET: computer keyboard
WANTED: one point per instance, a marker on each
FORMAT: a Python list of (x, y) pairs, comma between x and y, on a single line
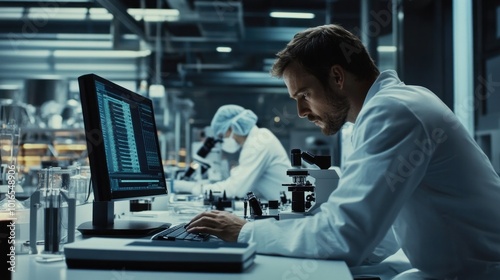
[(178, 232)]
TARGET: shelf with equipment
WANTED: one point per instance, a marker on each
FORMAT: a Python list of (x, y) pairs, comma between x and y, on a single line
[(55, 147)]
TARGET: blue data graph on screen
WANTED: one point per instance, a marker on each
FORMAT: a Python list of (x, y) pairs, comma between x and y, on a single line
[(121, 148), (129, 139), (149, 138)]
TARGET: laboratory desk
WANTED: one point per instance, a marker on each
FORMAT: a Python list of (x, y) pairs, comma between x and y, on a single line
[(264, 267)]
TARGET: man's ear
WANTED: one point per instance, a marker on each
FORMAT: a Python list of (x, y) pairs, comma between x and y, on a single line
[(337, 76)]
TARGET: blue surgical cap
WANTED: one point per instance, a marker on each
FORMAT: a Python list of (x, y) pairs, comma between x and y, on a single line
[(239, 119)]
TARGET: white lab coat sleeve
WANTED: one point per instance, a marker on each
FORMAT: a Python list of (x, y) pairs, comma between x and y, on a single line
[(251, 165), (387, 247), (379, 176)]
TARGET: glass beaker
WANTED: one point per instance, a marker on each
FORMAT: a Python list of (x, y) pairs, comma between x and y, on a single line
[(80, 185), (9, 169), (55, 178), (53, 197)]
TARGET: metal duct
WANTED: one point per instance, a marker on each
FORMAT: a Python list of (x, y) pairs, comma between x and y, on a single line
[(9, 92), (46, 88)]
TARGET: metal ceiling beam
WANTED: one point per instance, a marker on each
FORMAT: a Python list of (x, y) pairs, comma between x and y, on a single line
[(181, 5), (267, 34), (60, 44), (257, 40), (38, 3), (224, 78), (119, 11), (235, 90), (189, 39), (227, 16)]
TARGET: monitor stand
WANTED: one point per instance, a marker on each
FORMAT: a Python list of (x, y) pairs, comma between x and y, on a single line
[(103, 224)]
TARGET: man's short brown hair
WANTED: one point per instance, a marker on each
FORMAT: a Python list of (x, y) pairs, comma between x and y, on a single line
[(317, 49)]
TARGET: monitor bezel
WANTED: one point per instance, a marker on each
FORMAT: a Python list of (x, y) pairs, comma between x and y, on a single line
[(95, 146)]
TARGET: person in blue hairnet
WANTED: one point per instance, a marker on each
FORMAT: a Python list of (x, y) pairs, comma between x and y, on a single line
[(262, 162)]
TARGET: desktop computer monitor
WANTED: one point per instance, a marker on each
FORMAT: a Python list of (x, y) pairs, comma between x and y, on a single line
[(124, 155)]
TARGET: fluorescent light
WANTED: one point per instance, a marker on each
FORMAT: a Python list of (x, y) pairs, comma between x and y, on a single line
[(387, 49), (25, 53), (46, 13), (55, 44), (9, 87), (292, 15), (94, 66), (60, 13), (99, 14), (154, 15), (153, 12), (101, 53), (80, 36), (224, 49), (11, 13)]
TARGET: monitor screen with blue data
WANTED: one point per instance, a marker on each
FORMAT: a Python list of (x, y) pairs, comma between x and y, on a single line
[(123, 148)]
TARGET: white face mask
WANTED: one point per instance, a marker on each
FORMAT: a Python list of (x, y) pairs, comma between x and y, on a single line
[(229, 145)]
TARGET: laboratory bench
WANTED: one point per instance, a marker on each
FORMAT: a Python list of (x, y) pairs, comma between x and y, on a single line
[(264, 267), (32, 266)]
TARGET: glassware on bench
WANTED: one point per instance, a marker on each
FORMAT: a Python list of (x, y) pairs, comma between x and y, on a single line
[(9, 168)]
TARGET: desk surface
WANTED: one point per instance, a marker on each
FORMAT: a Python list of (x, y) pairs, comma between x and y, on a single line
[(264, 267)]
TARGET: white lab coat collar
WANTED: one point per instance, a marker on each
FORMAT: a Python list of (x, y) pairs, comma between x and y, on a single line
[(386, 78), (251, 134)]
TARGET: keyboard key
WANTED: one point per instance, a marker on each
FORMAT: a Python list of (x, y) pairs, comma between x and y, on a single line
[(179, 232)]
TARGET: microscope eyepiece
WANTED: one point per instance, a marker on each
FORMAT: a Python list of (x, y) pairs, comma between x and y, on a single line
[(207, 146)]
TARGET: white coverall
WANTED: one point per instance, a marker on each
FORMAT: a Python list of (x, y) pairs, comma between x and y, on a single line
[(414, 167), (262, 167)]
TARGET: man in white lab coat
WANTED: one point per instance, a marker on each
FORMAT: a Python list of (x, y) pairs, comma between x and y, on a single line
[(263, 161), (414, 169)]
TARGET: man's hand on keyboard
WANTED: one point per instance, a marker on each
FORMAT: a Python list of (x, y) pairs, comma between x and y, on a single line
[(222, 224)]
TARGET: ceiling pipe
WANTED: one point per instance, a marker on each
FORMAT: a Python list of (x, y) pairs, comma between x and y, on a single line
[(206, 66)]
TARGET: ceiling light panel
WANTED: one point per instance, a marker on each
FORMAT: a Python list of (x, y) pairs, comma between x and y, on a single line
[(57, 13), (292, 15)]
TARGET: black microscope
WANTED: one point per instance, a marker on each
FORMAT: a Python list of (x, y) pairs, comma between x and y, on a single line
[(325, 182)]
